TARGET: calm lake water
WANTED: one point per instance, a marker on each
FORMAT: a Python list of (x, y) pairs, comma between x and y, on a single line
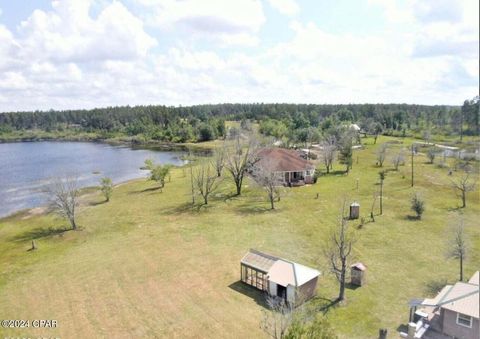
[(26, 168)]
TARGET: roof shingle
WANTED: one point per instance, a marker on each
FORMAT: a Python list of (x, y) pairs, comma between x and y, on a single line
[(282, 160)]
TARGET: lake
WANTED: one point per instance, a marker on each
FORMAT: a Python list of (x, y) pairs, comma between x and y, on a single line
[(26, 168)]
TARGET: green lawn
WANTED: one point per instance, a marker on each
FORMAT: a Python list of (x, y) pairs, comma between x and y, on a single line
[(147, 264)]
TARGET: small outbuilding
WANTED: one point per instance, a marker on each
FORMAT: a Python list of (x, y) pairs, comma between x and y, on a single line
[(279, 277), (355, 210), (357, 274)]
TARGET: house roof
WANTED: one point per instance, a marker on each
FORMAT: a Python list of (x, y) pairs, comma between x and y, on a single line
[(282, 160), (354, 127), (359, 266), (434, 301), (258, 260), (461, 297), (475, 279), (280, 271)]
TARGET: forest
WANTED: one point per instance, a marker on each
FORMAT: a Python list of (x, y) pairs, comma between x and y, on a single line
[(294, 122)]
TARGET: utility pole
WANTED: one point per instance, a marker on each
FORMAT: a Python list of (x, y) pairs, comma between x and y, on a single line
[(412, 163), (382, 177)]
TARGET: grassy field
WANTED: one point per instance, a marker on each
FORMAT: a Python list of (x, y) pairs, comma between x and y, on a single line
[(147, 264)]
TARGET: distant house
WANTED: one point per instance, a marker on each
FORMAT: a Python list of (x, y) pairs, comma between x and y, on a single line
[(279, 277), (293, 169), (354, 127), (454, 312)]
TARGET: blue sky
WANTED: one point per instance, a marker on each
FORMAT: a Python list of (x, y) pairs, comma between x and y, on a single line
[(91, 53)]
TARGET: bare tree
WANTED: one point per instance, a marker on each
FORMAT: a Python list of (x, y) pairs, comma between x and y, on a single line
[(64, 194), (241, 155), (398, 159), (270, 181), (463, 185), (345, 151), (412, 154), (277, 319), (382, 154), (338, 251), (220, 155), (190, 158), (329, 150), (431, 153), (426, 136), (458, 246), (375, 129), (374, 200), (205, 180)]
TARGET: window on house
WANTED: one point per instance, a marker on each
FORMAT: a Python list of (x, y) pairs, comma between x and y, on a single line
[(464, 320)]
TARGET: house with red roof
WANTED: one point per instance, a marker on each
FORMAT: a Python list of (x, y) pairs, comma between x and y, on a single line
[(291, 167)]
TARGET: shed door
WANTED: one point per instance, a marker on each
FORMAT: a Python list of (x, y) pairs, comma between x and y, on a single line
[(281, 291)]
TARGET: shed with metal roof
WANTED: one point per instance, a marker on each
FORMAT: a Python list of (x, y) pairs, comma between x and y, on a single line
[(279, 277)]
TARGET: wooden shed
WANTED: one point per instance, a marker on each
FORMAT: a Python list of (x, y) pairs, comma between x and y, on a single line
[(279, 277), (358, 274)]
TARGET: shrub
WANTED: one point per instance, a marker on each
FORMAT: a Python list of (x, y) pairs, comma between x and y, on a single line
[(418, 206)]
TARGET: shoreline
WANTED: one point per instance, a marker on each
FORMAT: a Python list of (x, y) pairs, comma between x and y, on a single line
[(118, 142), (28, 212), (204, 148)]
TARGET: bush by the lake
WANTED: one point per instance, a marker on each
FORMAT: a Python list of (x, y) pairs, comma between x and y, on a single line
[(106, 186), (418, 206), (158, 173)]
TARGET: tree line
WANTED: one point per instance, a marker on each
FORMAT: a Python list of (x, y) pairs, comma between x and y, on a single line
[(297, 122)]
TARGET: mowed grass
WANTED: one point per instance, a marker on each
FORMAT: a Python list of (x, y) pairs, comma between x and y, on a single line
[(147, 264)]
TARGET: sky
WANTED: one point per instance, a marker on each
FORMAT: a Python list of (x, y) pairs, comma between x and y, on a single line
[(72, 54)]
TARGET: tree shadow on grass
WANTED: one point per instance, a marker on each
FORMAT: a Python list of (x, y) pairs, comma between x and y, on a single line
[(40, 232), (230, 196), (250, 292), (434, 286), (412, 218), (334, 173), (248, 210), (222, 196), (186, 208), (454, 209), (145, 190), (324, 305), (96, 203), (351, 286)]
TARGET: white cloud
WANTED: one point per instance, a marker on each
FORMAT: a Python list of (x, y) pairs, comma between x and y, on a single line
[(68, 33), (13, 81), (240, 20), (438, 10), (287, 7), (67, 58)]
